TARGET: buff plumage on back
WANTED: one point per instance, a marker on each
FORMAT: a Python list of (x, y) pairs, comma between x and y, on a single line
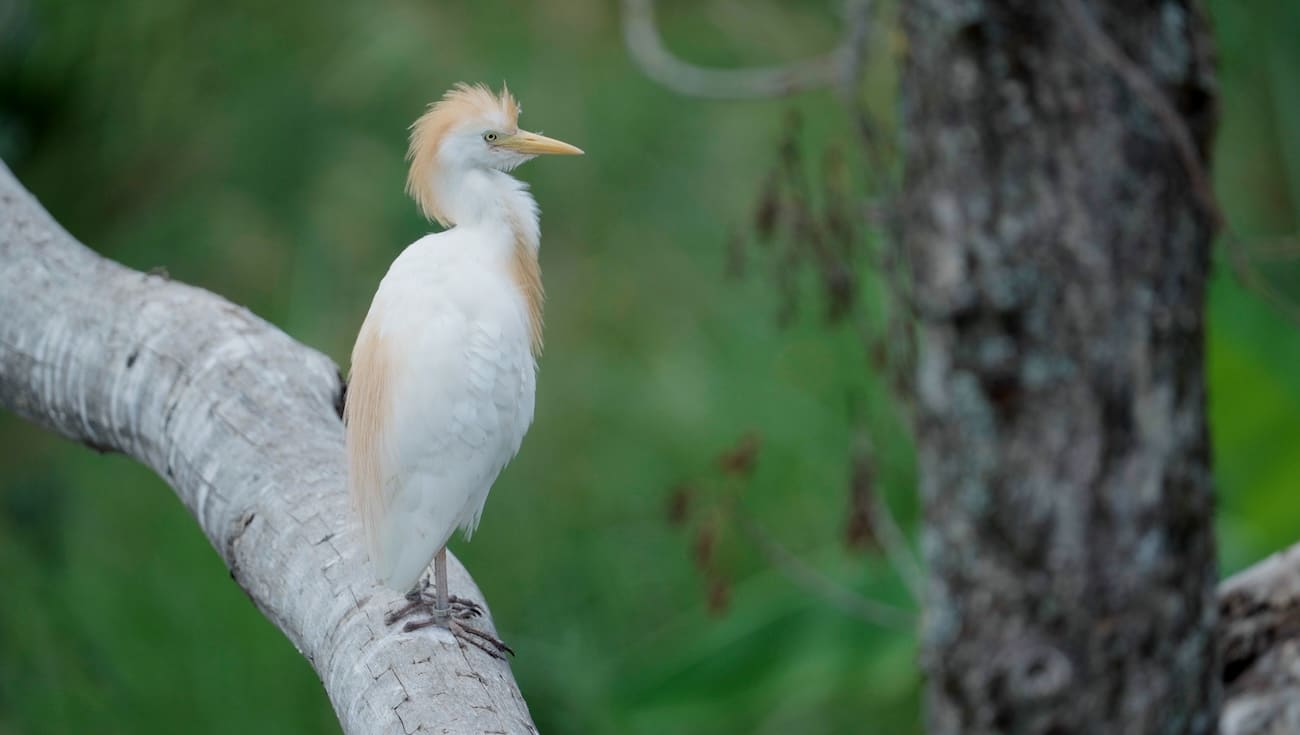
[(463, 101), (527, 274), (366, 413)]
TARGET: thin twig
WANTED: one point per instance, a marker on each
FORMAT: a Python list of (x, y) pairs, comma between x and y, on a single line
[(821, 586), (648, 50), (1276, 248), (900, 555), (1244, 267), (889, 533)]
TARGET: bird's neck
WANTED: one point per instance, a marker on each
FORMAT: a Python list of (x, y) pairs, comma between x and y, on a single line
[(487, 197), (496, 199)]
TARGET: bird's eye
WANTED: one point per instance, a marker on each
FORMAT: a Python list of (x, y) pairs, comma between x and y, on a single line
[(490, 137)]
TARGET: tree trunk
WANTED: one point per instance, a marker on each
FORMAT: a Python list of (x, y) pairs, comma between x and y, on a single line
[(1060, 242), (242, 421)]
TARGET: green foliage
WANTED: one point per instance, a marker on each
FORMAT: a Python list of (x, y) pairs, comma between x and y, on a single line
[(255, 149)]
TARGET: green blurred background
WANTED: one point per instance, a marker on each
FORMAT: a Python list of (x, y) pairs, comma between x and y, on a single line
[(256, 148)]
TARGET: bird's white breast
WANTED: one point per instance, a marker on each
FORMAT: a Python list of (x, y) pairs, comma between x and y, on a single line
[(461, 381)]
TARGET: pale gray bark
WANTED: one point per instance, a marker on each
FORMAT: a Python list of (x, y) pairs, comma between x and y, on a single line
[(242, 422)]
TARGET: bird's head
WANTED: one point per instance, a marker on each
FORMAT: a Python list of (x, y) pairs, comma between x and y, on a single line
[(469, 129)]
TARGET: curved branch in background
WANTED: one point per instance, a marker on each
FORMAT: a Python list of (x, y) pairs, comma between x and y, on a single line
[(835, 69), (242, 422)]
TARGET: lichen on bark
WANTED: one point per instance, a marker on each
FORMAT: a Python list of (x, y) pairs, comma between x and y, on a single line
[(1060, 256)]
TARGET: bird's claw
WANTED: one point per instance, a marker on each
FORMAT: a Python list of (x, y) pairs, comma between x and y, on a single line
[(491, 645), (464, 608)]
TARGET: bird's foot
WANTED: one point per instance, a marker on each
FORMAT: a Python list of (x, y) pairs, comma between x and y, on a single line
[(489, 644), (420, 601)]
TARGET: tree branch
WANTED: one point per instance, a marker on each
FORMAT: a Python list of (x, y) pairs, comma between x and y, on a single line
[(834, 69), (1259, 640), (241, 421)]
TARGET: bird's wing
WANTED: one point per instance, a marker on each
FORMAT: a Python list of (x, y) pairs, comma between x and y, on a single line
[(367, 415), (458, 425), (432, 419)]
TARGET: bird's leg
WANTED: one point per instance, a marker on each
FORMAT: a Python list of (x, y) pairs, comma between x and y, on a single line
[(442, 606), (446, 611), (444, 602)]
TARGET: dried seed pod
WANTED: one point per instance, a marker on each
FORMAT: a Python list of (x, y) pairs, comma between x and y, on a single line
[(741, 458), (859, 532), (767, 214), (679, 503)]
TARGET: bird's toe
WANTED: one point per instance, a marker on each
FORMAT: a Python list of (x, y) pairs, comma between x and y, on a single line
[(489, 644)]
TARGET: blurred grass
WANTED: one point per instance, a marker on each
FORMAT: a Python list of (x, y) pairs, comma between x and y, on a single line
[(256, 150)]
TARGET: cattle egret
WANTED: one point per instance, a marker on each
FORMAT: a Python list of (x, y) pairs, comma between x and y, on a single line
[(444, 368)]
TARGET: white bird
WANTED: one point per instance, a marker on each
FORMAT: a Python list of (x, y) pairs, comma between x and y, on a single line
[(444, 369)]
